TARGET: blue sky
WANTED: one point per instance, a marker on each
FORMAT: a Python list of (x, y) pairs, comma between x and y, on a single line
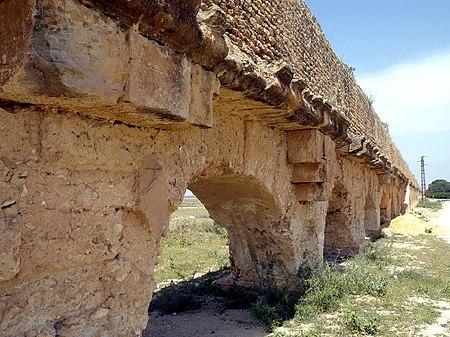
[(401, 52)]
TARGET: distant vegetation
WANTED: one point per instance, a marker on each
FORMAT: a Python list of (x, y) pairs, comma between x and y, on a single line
[(439, 189), (430, 204), (193, 246)]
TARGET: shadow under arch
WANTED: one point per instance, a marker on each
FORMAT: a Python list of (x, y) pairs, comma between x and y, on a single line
[(254, 221), (371, 218), (385, 208), (340, 238)]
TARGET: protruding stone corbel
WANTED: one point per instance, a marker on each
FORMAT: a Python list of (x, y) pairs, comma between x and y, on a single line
[(213, 47), (175, 23), (121, 76), (312, 155)]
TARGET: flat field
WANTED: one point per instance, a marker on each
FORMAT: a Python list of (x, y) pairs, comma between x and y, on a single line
[(194, 245)]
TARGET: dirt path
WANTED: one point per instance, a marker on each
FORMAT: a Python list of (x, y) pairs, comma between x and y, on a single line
[(440, 327), (443, 222), (210, 322)]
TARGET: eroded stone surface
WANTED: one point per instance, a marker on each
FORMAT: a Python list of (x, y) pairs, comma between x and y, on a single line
[(15, 33)]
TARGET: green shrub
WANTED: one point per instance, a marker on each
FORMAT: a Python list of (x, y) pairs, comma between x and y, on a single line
[(324, 291), (377, 253), (174, 299), (430, 204), (275, 305), (365, 326)]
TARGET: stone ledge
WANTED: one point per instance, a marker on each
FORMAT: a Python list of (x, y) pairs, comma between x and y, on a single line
[(282, 89), (107, 72)]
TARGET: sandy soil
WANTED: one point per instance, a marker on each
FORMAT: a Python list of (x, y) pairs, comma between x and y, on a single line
[(440, 223), (419, 219), (443, 221), (209, 321)]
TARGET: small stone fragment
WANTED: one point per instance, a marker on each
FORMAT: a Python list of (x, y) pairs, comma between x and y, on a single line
[(24, 191), (8, 203), (99, 313)]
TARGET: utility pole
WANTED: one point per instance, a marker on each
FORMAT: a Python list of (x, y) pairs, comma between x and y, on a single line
[(422, 177)]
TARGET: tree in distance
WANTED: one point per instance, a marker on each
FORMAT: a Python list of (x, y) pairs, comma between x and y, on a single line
[(439, 189)]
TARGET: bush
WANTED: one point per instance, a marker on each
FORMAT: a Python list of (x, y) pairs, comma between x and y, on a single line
[(324, 291), (274, 305), (438, 195), (365, 326), (175, 299), (430, 204)]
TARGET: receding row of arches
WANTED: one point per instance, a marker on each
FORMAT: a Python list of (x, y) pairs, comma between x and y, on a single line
[(254, 219), (261, 228)]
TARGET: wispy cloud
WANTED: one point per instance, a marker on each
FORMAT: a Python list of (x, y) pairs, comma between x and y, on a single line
[(413, 97)]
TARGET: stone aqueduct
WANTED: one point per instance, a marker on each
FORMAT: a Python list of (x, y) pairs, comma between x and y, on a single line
[(110, 110)]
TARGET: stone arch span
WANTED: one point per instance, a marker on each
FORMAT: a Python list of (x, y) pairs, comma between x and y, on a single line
[(339, 236), (254, 220), (371, 218), (83, 207)]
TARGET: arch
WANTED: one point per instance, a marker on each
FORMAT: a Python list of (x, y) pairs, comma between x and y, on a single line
[(339, 236), (371, 218), (385, 207), (394, 212), (254, 220)]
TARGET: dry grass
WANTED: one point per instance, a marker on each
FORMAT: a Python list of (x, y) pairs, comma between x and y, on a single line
[(193, 246)]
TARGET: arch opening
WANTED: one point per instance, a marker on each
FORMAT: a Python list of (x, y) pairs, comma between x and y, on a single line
[(385, 210), (339, 237), (253, 220), (193, 246), (371, 219), (394, 213), (248, 220)]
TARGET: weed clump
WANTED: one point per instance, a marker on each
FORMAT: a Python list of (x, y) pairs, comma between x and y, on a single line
[(430, 204), (273, 306), (358, 323), (327, 288)]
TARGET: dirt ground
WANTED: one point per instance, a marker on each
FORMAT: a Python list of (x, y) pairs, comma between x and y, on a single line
[(209, 321), (212, 321), (443, 222)]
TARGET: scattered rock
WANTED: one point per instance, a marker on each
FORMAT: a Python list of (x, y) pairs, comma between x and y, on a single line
[(387, 233)]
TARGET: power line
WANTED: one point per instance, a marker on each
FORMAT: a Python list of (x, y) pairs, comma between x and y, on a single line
[(423, 184)]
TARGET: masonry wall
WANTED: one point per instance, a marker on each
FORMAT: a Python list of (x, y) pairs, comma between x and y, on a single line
[(273, 32), (85, 203)]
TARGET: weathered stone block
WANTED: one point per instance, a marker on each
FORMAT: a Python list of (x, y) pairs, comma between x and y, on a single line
[(15, 31), (67, 59), (9, 250), (204, 86), (305, 146), (384, 179), (309, 172), (329, 148), (311, 191), (159, 80), (154, 199)]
